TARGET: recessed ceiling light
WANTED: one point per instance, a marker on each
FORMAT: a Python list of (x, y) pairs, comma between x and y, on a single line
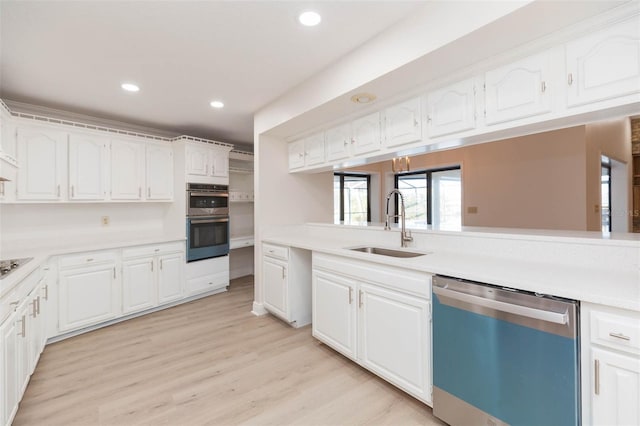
[(309, 18), (130, 87), (216, 104), (363, 98)]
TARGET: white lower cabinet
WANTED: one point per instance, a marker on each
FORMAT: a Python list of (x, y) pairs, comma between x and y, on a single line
[(611, 366), (88, 294), (9, 373), (378, 316), (170, 277), (286, 282), (207, 275), (138, 286)]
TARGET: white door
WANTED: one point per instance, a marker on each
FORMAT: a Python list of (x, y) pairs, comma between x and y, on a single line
[(395, 338), (8, 369), (42, 158), (138, 285), (159, 172), (274, 281), (452, 109), (296, 154), (338, 142), (87, 296), (220, 163), (403, 123), (518, 90), (366, 134), (605, 64), (197, 158), (127, 170), (334, 312), (615, 393), (170, 277), (88, 167), (314, 149)]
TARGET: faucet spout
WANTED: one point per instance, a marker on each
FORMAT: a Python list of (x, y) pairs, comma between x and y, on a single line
[(405, 236)]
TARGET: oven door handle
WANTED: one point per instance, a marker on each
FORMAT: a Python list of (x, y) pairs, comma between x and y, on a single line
[(524, 311), (208, 194), (203, 221)]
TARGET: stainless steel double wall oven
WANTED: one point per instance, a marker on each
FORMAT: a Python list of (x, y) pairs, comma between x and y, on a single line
[(207, 221)]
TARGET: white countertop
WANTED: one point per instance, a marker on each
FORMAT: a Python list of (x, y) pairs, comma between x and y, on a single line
[(590, 282)]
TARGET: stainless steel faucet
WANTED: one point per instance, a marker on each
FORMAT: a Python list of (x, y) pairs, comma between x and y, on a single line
[(405, 236)]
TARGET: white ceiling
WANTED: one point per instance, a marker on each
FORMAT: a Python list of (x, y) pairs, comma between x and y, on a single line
[(74, 55)]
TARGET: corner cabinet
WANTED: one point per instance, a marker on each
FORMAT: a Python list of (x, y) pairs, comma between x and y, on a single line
[(159, 168), (207, 162), (286, 282), (307, 152), (611, 366), (362, 309)]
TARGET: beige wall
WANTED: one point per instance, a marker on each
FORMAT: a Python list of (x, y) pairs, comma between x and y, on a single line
[(613, 139), (535, 181)]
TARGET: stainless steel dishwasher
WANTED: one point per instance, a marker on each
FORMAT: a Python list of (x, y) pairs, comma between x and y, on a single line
[(504, 356)]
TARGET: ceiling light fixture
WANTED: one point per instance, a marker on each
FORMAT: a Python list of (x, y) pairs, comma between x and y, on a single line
[(216, 104), (309, 18), (363, 98), (130, 87)]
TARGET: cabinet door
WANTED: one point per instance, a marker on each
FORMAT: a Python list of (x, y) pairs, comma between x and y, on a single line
[(334, 312), (605, 64), (159, 172), (42, 158), (9, 370), (23, 357), (170, 277), (395, 338), (452, 109), (366, 134), (127, 170), (296, 154), (274, 280), (35, 330), (138, 285), (403, 123), (197, 158), (338, 142), (87, 296), (518, 90), (615, 391), (314, 149), (219, 163), (88, 164)]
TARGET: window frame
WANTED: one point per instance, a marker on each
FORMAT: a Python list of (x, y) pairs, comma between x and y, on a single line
[(358, 175)]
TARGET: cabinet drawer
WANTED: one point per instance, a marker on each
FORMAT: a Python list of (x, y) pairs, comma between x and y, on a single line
[(8, 304), (278, 252), (617, 331), (152, 249), (91, 258), (207, 283)]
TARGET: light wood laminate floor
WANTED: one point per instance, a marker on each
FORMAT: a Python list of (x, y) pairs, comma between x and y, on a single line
[(208, 362)]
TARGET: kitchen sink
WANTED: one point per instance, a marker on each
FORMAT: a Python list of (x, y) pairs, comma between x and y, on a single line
[(387, 252)]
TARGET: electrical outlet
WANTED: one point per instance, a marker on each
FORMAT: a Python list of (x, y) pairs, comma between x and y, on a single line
[(472, 210), (105, 220)]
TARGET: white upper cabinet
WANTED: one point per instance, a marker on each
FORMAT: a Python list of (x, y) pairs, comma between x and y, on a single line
[(42, 158), (605, 64), (127, 170), (518, 90), (88, 167), (366, 134), (338, 142), (159, 172), (197, 160), (307, 152), (220, 163), (403, 123), (206, 163), (452, 109)]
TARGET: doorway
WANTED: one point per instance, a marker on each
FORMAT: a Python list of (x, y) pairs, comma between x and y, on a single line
[(614, 192)]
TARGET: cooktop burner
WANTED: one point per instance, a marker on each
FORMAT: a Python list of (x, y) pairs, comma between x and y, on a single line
[(10, 265)]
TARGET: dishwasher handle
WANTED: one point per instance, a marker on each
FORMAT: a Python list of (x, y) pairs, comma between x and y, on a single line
[(525, 311)]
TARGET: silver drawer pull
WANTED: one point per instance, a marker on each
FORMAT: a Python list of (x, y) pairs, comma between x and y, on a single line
[(90, 259), (596, 373), (620, 336)]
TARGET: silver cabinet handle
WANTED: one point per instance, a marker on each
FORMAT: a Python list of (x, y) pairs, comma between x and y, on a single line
[(38, 300), (58, 190), (151, 266), (34, 308), (46, 292), (156, 249), (149, 192), (570, 79), (620, 336), (73, 192), (139, 192), (543, 87), (114, 272), (350, 295), (161, 264), (596, 368), (24, 327), (360, 298), (90, 259), (284, 272)]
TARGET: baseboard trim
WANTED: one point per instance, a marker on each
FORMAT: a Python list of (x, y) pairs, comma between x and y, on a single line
[(258, 309)]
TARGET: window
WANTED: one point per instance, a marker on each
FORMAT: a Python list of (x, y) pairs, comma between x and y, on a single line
[(351, 198), (432, 197), (605, 192)]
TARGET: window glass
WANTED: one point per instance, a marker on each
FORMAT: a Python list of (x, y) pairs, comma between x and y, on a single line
[(351, 195)]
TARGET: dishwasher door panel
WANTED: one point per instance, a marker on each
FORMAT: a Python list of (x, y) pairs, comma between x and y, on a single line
[(520, 375)]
